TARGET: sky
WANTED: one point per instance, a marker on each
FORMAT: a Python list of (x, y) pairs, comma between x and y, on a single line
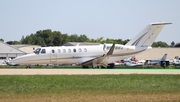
[(114, 19)]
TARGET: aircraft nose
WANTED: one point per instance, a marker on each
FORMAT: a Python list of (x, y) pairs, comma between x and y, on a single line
[(13, 62)]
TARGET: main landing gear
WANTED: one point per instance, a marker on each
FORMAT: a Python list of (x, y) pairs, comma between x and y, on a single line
[(28, 67), (109, 66)]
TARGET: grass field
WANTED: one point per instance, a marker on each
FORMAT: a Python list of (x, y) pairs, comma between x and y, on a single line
[(90, 88)]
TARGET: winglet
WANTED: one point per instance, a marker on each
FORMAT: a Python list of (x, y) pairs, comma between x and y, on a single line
[(111, 50)]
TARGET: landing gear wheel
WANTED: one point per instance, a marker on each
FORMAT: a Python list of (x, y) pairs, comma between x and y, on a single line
[(28, 67), (85, 67)]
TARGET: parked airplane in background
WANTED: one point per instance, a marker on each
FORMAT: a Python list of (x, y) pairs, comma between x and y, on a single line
[(133, 62), (176, 61), (96, 55), (157, 61), (118, 63), (124, 61)]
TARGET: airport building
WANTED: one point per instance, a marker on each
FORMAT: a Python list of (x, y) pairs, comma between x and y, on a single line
[(157, 53), (11, 51)]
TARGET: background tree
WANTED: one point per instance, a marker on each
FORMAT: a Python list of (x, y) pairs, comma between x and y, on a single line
[(73, 38), (2, 40), (57, 38), (64, 39), (83, 38), (13, 42), (119, 41), (48, 37), (125, 41), (172, 44), (160, 44)]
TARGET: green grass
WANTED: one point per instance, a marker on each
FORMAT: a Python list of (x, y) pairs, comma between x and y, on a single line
[(130, 84), (89, 88)]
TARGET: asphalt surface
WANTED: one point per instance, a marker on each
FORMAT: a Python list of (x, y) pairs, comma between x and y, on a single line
[(86, 71)]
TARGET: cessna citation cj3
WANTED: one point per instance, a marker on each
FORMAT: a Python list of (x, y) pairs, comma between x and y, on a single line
[(96, 55)]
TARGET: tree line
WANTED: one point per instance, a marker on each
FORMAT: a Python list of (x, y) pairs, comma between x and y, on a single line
[(48, 37)]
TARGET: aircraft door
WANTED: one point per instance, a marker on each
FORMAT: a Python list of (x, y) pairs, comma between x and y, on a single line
[(53, 55)]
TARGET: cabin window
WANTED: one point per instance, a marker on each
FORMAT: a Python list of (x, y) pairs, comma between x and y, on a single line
[(85, 50), (74, 50), (119, 48), (59, 51), (80, 50), (69, 50), (64, 51), (43, 51), (53, 51)]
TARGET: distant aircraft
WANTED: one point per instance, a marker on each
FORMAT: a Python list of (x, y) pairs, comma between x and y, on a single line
[(133, 62), (118, 63), (157, 61), (96, 55), (176, 61)]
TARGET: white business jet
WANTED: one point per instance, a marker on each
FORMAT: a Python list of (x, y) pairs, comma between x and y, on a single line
[(94, 56)]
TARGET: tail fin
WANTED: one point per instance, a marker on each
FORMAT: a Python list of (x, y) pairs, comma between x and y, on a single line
[(148, 35), (164, 57)]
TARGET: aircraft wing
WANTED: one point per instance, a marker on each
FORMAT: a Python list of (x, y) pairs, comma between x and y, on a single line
[(99, 61)]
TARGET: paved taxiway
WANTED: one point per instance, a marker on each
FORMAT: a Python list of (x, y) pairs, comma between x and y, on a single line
[(86, 71)]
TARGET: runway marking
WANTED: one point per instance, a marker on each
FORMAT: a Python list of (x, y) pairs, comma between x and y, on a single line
[(86, 71)]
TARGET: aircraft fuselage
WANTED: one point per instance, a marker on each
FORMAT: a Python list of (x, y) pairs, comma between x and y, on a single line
[(75, 54)]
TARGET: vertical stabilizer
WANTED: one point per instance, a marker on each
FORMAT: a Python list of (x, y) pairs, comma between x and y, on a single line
[(164, 57), (148, 35)]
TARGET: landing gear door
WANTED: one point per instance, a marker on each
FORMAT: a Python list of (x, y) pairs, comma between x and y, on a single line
[(53, 55)]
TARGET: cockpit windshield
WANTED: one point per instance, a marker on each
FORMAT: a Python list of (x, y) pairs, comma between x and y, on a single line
[(37, 50)]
